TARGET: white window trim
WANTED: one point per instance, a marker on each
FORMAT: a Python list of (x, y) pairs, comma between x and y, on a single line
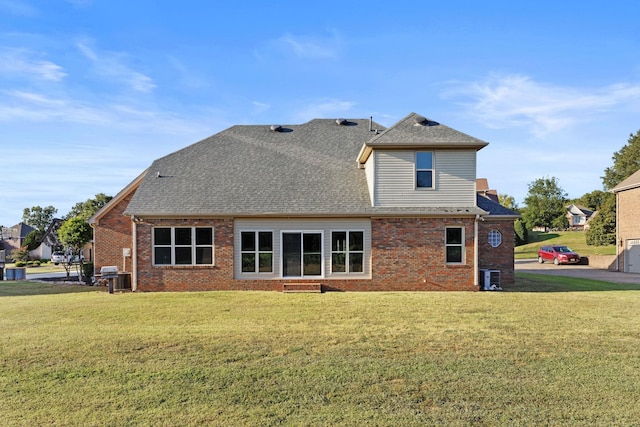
[(322, 255), (416, 170), (461, 245), (257, 252), (492, 241), (173, 247), (347, 252)]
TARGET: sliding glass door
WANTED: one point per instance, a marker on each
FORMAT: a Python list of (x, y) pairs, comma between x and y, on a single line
[(301, 254)]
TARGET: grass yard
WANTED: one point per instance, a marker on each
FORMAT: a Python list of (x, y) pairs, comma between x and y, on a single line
[(576, 240), (517, 357)]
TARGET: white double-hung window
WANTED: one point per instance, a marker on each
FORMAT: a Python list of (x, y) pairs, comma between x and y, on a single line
[(347, 251), (256, 248), (424, 169), (454, 245)]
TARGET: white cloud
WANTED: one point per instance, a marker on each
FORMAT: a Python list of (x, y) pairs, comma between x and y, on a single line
[(516, 100), (187, 77), (306, 47), (323, 108), (18, 7), (20, 62), (260, 107), (16, 106), (112, 65)]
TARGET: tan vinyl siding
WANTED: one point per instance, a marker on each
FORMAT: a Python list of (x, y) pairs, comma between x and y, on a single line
[(454, 179), (325, 226)]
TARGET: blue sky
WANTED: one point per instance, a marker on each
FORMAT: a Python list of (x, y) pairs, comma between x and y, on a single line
[(92, 91)]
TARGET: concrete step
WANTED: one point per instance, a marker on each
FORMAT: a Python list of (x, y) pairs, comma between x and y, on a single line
[(291, 287)]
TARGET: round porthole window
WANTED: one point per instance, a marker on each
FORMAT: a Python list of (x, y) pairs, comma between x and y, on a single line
[(495, 238)]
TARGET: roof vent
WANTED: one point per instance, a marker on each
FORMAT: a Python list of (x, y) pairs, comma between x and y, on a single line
[(420, 121), (276, 128), (341, 122)]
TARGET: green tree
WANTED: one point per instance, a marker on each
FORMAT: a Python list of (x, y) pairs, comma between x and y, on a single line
[(602, 228), (38, 217), (593, 200), (88, 208), (33, 240), (560, 223), (21, 254), (545, 203), (522, 235), (508, 202), (625, 163), (74, 233)]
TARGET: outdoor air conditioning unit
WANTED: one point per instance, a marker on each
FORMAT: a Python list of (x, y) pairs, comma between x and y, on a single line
[(490, 280)]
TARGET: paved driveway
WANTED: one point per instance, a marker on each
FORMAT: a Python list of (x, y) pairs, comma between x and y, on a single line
[(580, 271)]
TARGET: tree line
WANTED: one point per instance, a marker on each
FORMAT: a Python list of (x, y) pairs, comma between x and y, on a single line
[(546, 202), (69, 233)]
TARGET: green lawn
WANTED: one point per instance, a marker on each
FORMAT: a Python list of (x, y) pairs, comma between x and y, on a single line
[(576, 240), (518, 357)]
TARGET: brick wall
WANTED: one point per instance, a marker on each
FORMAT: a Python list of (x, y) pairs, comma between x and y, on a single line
[(628, 221), (111, 234), (407, 254), (190, 278), (501, 257)]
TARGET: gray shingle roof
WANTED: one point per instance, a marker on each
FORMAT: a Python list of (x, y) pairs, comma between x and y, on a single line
[(632, 181), (307, 169), (418, 130), (495, 209)]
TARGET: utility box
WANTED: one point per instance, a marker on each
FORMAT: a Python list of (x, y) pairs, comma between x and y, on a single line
[(124, 281), (490, 280)]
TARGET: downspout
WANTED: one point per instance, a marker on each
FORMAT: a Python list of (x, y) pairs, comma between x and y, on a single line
[(134, 256), (476, 258)]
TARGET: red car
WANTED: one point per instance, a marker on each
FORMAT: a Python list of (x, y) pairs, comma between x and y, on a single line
[(558, 255)]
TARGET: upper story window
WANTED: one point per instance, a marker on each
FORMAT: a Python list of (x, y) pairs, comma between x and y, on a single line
[(183, 246), (424, 169)]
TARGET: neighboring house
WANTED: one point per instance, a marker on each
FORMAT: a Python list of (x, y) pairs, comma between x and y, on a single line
[(482, 188), (628, 223), (13, 238), (343, 205), (49, 243), (579, 217)]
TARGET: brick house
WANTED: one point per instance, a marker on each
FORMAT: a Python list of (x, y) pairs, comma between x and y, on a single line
[(342, 205), (12, 238), (628, 223)]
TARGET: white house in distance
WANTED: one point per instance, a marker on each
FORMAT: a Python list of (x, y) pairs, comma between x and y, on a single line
[(579, 217)]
